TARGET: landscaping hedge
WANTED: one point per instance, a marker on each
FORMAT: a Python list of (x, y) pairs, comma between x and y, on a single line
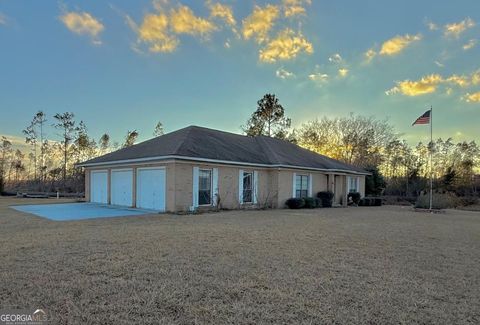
[(370, 201), (310, 203), (295, 203), (355, 196), (326, 197)]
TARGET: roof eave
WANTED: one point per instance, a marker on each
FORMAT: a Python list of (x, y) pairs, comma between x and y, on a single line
[(228, 162)]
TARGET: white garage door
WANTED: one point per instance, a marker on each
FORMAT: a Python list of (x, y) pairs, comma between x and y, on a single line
[(121, 184), (151, 189), (98, 187)]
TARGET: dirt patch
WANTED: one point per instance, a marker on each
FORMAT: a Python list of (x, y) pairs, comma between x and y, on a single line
[(377, 265)]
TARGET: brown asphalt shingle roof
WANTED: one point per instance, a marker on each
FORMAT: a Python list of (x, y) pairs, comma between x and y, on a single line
[(202, 143)]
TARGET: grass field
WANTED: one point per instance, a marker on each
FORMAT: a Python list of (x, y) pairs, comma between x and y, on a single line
[(385, 265)]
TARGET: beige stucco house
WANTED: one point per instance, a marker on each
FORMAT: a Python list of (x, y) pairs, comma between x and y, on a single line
[(199, 168)]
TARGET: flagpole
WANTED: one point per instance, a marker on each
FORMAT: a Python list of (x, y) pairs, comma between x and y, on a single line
[(431, 154)]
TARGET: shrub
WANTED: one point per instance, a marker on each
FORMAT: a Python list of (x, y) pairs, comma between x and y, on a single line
[(310, 203), (355, 196), (440, 201), (468, 200), (370, 201), (295, 203), (327, 198), (318, 203)]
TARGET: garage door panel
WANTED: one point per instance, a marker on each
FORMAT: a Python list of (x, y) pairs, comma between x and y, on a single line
[(151, 189), (121, 187), (99, 187)]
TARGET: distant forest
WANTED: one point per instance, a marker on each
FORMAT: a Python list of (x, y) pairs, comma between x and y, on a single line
[(397, 167)]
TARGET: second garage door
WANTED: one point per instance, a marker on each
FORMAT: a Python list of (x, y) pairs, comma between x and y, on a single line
[(121, 187), (151, 188)]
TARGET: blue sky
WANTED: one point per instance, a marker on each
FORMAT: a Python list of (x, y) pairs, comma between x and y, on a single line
[(125, 65)]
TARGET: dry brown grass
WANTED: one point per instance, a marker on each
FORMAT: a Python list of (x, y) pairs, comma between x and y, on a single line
[(384, 265)]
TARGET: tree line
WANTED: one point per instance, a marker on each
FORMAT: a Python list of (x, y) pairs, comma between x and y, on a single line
[(397, 167), (49, 166)]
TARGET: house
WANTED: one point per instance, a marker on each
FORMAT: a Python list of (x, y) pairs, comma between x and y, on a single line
[(200, 168)]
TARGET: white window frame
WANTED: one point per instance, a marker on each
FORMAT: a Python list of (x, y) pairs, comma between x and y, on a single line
[(308, 187), (254, 174), (210, 170), (357, 184)]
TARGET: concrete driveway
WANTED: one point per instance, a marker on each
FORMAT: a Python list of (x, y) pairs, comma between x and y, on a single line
[(78, 211)]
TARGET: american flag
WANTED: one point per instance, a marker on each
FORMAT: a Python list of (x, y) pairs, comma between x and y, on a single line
[(424, 119)]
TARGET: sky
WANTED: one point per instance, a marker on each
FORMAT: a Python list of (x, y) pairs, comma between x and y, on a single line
[(124, 65)]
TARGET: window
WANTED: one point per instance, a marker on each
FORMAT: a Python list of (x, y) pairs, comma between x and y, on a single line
[(301, 186), (247, 187), (204, 187), (353, 184)]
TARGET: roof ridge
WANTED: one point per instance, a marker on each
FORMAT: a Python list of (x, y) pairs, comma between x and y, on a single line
[(188, 129), (267, 148)]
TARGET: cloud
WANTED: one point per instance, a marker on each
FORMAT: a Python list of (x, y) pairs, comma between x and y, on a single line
[(439, 64), (83, 23), (284, 74), (3, 19), (224, 12), (287, 45), (470, 44), (456, 29), (472, 98), (335, 58), (154, 32), (398, 43), (343, 72), (295, 7), (429, 84), (431, 25), (259, 23), (319, 78), (369, 55), (184, 21), (476, 77), (426, 85), (461, 81)]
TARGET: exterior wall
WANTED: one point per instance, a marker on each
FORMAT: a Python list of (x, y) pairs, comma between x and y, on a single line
[(275, 186), (319, 183), (228, 186)]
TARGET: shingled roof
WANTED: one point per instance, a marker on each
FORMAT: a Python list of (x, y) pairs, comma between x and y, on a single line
[(202, 144)]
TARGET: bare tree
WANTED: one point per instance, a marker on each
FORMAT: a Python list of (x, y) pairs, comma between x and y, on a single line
[(5, 150), (65, 123), (40, 120), (31, 138)]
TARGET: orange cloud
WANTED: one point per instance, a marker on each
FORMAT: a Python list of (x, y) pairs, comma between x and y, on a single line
[(398, 43), (287, 45), (83, 23), (259, 23), (456, 29)]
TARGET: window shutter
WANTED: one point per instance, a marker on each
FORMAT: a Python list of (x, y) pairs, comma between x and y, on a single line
[(310, 185), (195, 187), (294, 187), (255, 186), (215, 186), (240, 186)]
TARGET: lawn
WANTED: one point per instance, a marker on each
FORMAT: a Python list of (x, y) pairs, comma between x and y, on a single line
[(386, 265)]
